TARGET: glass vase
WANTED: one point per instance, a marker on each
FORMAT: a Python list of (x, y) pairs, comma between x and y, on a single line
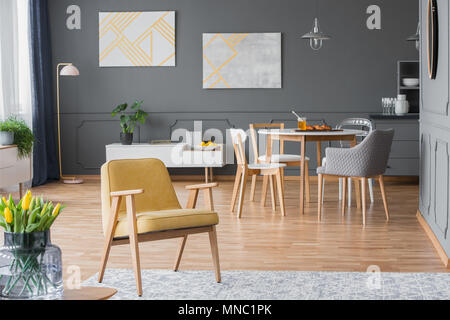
[(30, 267)]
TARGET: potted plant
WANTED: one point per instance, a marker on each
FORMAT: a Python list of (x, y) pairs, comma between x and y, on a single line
[(128, 121), (30, 266), (22, 135)]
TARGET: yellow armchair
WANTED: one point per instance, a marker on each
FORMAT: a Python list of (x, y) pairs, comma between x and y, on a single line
[(151, 210)]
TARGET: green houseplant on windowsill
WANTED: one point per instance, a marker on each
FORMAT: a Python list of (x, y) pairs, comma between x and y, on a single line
[(128, 121), (23, 136)]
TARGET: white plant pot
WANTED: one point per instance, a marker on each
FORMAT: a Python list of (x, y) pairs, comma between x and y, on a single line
[(6, 138)]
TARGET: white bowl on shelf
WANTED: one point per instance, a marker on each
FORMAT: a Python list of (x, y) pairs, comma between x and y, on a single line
[(410, 82)]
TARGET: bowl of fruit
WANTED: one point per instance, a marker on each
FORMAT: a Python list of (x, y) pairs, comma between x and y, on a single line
[(206, 146)]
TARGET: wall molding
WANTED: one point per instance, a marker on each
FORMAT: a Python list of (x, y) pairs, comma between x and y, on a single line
[(440, 250)]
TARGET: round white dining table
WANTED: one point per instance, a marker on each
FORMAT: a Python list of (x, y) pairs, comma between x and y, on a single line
[(308, 136)]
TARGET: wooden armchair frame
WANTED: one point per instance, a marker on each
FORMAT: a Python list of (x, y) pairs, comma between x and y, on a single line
[(134, 238)]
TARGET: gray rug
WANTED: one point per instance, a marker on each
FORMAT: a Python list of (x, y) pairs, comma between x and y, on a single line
[(285, 285)]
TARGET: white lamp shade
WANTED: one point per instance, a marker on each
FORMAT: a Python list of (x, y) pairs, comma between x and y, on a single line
[(69, 70)]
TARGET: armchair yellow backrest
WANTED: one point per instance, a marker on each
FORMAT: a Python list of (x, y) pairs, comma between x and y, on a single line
[(148, 174)]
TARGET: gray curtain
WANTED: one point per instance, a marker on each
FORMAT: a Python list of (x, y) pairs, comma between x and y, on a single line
[(45, 163)]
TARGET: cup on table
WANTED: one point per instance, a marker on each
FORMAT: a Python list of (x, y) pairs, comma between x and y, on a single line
[(301, 123)]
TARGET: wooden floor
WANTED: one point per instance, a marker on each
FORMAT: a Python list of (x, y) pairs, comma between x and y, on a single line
[(262, 239)]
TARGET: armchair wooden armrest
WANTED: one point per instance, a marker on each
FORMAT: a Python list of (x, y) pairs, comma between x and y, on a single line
[(202, 186), (207, 195), (126, 193)]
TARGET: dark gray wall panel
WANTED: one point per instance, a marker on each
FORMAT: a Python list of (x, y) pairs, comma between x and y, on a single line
[(435, 131), (346, 78)]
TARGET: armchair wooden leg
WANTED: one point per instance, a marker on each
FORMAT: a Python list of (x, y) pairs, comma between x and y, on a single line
[(242, 194), (207, 195), (272, 192), (180, 253), (264, 190), (115, 205), (281, 191), (383, 195), (343, 183), (307, 186), (237, 181), (215, 252), (192, 200), (253, 188), (363, 199), (319, 196), (134, 245)]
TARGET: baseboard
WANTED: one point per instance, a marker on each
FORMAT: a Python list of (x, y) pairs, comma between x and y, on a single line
[(440, 251)]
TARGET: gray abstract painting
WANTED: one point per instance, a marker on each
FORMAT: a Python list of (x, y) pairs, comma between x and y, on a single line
[(241, 60)]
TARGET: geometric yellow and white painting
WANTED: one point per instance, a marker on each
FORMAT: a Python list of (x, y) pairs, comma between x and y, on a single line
[(137, 39), (241, 60)]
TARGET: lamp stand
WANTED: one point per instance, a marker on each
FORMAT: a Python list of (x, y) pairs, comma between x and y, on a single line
[(64, 179)]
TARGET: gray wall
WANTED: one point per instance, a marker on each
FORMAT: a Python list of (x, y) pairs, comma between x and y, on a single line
[(435, 132), (347, 77)]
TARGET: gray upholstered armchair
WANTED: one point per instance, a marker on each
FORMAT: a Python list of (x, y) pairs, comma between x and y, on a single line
[(366, 160)]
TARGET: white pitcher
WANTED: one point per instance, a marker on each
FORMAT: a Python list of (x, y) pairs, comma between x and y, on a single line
[(401, 105)]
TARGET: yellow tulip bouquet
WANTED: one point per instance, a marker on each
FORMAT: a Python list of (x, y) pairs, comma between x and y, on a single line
[(31, 265), (31, 214)]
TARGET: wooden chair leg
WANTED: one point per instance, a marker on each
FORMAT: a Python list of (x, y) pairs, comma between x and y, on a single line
[(242, 193), (357, 193), (343, 183), (272, 192), (208, 198), (115, 205), (134, 245), (264, 190), (307, 186), (319, 196), (363, 199), (21, 190), (237, 182), (281, 191), (383, 195), (192, 200), (215, 252), (253, 189), (180, 253)]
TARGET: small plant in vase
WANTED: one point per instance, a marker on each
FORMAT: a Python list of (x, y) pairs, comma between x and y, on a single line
[(30, 266), (128, 121)]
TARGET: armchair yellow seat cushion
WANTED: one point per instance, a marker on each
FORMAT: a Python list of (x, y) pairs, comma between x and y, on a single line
[(168, 220), (157, 208)]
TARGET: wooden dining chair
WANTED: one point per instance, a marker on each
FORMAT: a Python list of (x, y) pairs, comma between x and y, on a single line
[(289, 160), (367, 160), (244, 170)]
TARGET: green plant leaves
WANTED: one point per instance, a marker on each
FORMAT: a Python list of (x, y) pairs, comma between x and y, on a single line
[(128, 121), (23, 136)]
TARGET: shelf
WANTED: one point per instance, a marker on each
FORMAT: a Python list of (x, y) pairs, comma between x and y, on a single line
[(408, 116), (409, 88)]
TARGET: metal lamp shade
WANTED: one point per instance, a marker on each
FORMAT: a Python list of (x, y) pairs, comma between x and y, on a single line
[(69, 70), (315, 36), (415, 37)]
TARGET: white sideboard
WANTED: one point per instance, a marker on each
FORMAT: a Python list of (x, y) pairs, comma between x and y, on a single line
[(176, 155), (13, 170)]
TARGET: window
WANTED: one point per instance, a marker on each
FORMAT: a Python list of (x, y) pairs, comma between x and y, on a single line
[(15, 60)]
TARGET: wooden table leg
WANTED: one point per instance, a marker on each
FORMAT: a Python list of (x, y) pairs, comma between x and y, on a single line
[(319, 154), (206, 174), (302, 174)]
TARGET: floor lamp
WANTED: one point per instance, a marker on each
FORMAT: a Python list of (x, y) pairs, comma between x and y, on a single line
[(67, 70)]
